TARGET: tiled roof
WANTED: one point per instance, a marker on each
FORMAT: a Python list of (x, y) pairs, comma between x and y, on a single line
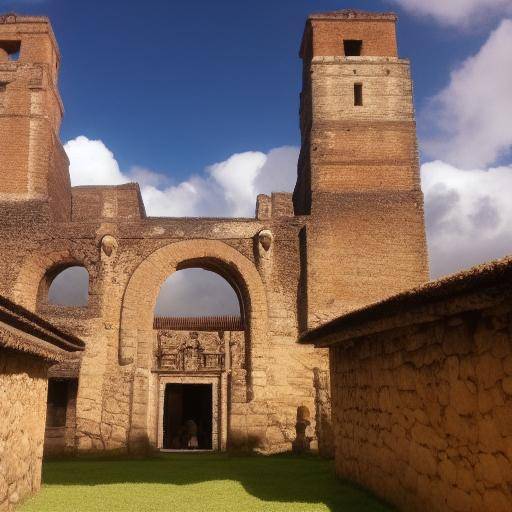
[(25, 331), (199, 323), (355, 324)]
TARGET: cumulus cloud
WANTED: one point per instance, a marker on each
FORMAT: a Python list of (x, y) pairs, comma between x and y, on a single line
[(224, 189), (468, 215), (92, 163), (471, 117), (456, 12)]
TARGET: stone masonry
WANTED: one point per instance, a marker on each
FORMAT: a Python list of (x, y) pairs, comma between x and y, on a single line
[(422, 393), (28, 346), (351, 234)]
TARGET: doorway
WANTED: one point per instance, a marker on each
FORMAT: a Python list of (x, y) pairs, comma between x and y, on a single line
[(187, 415)]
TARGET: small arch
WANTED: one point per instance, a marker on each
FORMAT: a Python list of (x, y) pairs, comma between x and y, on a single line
[(37, 272), (65, 286)]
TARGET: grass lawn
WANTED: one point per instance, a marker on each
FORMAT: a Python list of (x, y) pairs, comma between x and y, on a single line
[(198, 482)]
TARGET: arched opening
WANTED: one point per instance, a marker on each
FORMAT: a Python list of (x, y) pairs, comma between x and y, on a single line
[(194, 292), (136, 352), (68, 287), (200, 336)]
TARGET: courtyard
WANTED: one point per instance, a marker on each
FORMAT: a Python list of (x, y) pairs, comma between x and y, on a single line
[(198, 482)]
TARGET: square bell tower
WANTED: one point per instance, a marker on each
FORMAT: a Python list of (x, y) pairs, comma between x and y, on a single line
[(358, 175)]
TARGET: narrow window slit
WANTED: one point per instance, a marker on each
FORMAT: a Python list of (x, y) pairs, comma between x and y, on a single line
[(358, 95)]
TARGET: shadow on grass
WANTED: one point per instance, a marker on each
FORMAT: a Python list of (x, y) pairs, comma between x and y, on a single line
[(281, 478)]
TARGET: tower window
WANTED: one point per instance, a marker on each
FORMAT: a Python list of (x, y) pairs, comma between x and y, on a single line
[(9, 50), (352, 47), (358, 95)]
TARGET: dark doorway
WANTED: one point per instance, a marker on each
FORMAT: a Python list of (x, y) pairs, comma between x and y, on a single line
[(188, 414), (57, 403)]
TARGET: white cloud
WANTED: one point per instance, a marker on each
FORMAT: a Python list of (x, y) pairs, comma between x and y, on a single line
[(471, 117), (92, 163), (224, 189), (468, 215), (455, 12)]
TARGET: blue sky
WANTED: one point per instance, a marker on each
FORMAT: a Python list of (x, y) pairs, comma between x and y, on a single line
[(175, 86)]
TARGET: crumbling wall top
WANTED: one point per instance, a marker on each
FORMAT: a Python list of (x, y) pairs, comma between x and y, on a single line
[(353, 14)]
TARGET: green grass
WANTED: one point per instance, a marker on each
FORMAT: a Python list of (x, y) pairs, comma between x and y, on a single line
[(198, 482)]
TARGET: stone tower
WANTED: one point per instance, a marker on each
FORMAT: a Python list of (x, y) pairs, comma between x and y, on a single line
[(33, 164), (358, 176)]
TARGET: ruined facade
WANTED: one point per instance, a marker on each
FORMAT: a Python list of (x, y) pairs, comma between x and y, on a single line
[(422, 393), (351, 233)]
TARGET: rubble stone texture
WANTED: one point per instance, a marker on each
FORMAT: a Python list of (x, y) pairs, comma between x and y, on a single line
[(422, 403), (352, 233), (28, 346), (23, 386)]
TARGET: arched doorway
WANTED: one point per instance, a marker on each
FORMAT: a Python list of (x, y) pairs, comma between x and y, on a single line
[(199, 357), (138, 339)]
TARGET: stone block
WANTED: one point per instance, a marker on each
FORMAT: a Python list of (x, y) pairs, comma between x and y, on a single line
[(462, 399), (489, 370), (489, 438), (503, 419), (496, 501), (458, 500), (422, 460), (488, 470)]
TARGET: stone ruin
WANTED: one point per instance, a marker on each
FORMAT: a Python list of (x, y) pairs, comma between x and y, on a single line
[(351, 233)]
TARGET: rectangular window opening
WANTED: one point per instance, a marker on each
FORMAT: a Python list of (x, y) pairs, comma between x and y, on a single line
[(352, 47), (11, 49), (358, 95)]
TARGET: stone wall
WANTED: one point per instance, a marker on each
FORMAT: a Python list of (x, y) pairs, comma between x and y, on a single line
[(423, 414), (23, 387)]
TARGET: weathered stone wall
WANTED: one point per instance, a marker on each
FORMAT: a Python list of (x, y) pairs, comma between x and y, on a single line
[(23, 388), (423, 414)]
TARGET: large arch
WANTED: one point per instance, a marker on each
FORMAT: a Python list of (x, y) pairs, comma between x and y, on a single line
[(137, 315), (140, 296)]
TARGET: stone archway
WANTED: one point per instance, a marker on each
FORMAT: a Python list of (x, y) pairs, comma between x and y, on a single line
[(137, 313), (33, 270)]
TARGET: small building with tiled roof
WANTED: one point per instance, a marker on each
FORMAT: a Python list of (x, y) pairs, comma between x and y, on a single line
[(29, 346), (422, 392)]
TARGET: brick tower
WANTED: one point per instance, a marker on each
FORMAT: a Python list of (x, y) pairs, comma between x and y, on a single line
[(33, 164), (358, 176)]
